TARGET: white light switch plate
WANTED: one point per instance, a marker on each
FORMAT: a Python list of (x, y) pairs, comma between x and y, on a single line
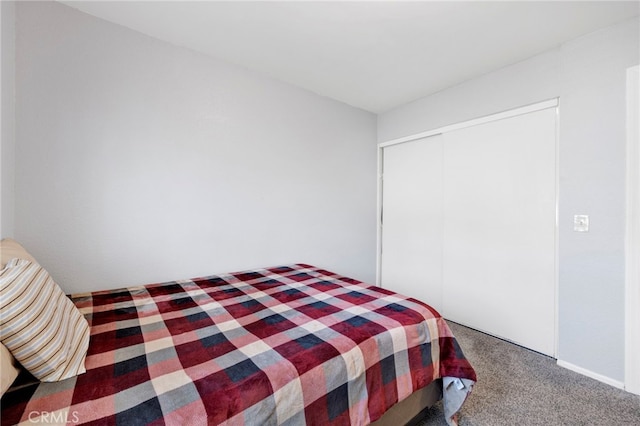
[(581, 223)]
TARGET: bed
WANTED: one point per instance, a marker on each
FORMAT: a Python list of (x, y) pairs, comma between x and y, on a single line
[(288, 345)]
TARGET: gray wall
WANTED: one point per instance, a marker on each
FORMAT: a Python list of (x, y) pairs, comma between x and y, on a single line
[(7, 120), (588, 75), (138, 161)]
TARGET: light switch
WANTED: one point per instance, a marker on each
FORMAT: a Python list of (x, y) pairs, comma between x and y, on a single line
[(581, 223)]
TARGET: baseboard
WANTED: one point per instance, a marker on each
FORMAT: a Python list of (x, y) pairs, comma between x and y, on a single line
[(599, 377)]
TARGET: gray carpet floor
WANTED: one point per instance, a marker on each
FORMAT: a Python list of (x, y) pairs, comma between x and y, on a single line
[(517, 386)]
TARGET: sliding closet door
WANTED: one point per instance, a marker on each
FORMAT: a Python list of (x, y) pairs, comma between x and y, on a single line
[(499, 228), (411, 237)]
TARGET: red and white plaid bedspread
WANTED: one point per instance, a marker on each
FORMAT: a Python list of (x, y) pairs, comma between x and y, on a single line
[(290, 345)]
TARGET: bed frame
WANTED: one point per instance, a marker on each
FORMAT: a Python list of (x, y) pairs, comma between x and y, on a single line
[(413, 409)]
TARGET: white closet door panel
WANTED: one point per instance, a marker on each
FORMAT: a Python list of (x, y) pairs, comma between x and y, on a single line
[(411, 260), (499, 227)]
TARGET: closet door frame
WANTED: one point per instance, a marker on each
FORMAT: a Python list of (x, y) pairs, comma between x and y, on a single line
[(632, 249), (551, 103)]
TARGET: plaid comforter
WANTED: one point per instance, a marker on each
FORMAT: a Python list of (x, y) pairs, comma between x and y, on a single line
[(288, 345)]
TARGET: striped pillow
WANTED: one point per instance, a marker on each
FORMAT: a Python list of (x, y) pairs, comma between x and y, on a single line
[(41, 327)]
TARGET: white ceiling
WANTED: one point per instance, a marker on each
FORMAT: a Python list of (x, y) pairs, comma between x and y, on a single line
[(372, 55)]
